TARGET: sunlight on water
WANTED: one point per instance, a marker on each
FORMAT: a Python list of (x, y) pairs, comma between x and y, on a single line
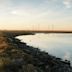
[(59, 45)]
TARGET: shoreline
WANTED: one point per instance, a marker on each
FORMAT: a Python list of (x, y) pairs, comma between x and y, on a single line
[(19, 57)]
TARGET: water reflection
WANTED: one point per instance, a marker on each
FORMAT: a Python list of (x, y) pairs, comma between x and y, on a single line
[(59, 45)]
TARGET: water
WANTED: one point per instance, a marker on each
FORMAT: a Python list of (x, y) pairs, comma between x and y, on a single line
[(59, 45)]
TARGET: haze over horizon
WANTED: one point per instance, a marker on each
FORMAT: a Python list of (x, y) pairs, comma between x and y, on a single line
[(35, 14)]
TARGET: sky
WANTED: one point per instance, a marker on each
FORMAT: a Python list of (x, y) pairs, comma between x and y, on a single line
[(36, 14)]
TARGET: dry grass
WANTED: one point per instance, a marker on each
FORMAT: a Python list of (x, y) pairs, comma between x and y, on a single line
[(3, 43)]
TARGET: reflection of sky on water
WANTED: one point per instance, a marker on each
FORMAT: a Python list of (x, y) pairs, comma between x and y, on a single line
[(59, 45)]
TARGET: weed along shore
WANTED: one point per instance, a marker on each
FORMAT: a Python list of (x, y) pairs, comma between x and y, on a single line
[(16, 56)]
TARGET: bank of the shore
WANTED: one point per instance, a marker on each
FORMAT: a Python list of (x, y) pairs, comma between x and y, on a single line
[(16, 56)]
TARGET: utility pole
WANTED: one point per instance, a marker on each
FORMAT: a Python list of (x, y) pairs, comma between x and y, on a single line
[(38, 27), (52, 27)]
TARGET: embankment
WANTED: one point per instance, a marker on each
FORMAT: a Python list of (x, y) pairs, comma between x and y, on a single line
[(16, 56)]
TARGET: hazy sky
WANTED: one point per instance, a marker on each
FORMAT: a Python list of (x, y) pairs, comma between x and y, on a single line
[(36, 14)]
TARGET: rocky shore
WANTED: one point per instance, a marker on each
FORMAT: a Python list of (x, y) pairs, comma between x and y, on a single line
[(16, 56)]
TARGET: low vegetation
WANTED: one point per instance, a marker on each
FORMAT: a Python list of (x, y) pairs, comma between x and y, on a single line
[(18, 57)]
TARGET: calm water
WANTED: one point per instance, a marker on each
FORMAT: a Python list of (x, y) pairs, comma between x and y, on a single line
[(59, 45)]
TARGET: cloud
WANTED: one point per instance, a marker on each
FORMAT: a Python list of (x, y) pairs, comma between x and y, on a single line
[(5, 4), (22, 13), (35, 13), (67, 3)]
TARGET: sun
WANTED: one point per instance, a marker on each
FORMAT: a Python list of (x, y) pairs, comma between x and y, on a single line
[(13, 12)]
